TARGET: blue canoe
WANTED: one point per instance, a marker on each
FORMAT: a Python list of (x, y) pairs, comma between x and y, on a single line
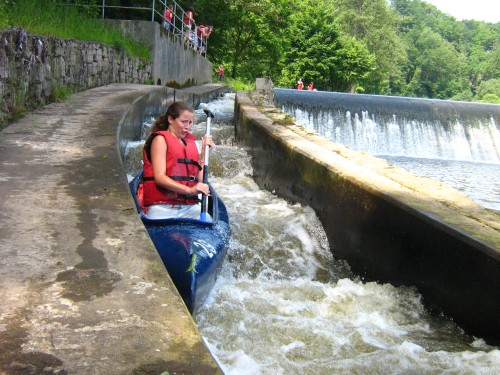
[(191, 250)]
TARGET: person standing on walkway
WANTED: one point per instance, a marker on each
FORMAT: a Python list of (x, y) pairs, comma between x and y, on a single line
[(188, 23), (300, 84), (311, 86), (220, 73), (172, 170), (167, 17), (203, 33)]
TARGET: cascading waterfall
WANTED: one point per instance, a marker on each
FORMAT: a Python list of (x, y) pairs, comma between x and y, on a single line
[(402, 137), (421, 135)]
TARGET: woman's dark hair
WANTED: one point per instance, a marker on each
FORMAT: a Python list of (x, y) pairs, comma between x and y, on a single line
[(175, 110), (161, 123)]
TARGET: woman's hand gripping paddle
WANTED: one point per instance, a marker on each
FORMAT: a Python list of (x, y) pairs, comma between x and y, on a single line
[(204, 199)]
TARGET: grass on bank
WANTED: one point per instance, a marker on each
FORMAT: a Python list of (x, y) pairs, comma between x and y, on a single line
[(237, 84), (51, 17)]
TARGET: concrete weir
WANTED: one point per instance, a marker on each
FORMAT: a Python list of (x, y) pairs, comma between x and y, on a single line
[(390, 225), (83, 289)]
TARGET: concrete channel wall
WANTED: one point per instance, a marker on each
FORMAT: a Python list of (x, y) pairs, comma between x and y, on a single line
[(174, 64), (388, 224)]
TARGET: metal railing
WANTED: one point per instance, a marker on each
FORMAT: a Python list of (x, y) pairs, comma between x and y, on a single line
[(177, 27)]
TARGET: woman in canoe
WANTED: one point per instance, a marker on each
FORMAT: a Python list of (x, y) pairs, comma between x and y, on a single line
[(173, 170)]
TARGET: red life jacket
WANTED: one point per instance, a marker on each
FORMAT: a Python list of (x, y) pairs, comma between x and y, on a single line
[(182, 166)]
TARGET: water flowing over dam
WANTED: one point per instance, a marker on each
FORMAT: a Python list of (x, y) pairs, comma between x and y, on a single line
[(454, 142), (384, 125)]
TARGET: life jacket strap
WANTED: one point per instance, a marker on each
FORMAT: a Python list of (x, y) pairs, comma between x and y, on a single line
[(175, 178), (190, 161), (184, 178)]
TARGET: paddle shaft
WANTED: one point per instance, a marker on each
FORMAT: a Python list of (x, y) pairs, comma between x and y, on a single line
[(204, 199)]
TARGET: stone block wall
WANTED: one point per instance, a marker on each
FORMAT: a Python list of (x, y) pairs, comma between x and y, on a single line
[(34, 67)]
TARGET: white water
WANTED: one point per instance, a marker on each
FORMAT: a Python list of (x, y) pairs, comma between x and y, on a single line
[(466, 158), (283, 305), (404, 138)]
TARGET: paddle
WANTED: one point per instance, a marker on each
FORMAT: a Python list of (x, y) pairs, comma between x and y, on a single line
[(204, 199)]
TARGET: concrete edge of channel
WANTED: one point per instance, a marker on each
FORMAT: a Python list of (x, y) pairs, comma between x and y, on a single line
[(83, 289)]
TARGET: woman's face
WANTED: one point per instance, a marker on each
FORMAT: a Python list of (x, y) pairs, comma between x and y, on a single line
[(182, 125)]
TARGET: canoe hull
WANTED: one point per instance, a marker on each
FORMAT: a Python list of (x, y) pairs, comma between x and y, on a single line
[(191, 250)]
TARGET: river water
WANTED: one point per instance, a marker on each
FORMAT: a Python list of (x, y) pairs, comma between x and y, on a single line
[(283, 305), (465, 158)]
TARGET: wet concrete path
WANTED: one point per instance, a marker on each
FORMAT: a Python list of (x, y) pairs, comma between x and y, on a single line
[(82, 288)]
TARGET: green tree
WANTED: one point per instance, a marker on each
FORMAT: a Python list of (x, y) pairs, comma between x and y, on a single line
[(248, 34), (490, 87), (490, 98), (436, 66), (375, 24), (318, 52), (482, 47), (470, 45)]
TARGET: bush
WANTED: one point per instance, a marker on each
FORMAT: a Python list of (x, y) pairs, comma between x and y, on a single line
[(464, 96), (239, 85), (490, 98), (491, 86)]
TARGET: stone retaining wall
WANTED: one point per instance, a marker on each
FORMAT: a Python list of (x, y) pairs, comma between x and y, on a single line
[(33, 68)]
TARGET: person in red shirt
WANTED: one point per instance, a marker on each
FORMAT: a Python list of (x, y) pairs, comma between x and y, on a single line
[(300, 84), (167, 17), (311, 86), (220, 73), (203, 34), (188, 22)]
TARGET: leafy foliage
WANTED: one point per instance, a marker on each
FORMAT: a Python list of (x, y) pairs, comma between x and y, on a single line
[(490, 87), (395, 47), (248, 34), (376, 24), (447, 58), (317, 52), (400, 47), (434, 71)]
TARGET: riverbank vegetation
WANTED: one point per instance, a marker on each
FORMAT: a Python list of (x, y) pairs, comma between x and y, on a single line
[(396, 47), (48, 17)]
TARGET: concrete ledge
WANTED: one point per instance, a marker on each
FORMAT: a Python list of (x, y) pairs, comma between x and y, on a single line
[(388, 224), (83, 289)]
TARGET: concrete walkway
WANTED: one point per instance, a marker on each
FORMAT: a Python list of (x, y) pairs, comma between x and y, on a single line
[(82, 288)]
